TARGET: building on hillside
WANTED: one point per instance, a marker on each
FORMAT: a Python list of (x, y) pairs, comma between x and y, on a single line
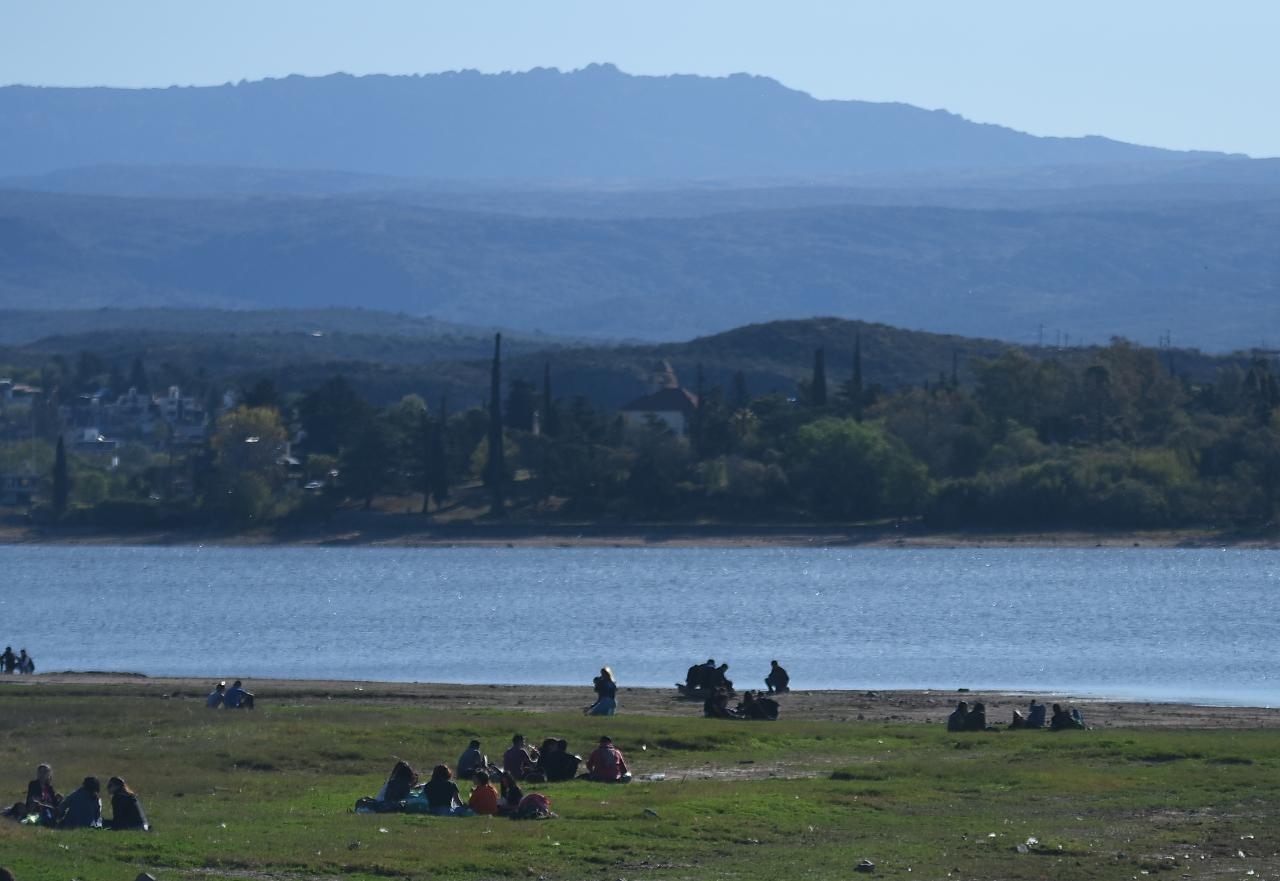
[(18, 488), (674, 407)]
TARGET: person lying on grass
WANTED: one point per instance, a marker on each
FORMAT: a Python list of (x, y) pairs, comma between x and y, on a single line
[(606, 764), (126, 810)]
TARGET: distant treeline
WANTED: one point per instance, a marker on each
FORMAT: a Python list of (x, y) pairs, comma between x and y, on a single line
[(1107, 437)]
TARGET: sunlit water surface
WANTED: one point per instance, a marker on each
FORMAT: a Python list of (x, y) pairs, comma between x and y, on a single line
[(1193, 625)]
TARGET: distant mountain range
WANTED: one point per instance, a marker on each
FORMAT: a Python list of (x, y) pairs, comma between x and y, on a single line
[(597, 123), (598, 204)]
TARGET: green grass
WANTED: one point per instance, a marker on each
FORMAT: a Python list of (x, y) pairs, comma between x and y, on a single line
[(270, 793)]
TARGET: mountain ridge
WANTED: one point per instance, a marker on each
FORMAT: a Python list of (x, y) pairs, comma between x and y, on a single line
[(593, 123)]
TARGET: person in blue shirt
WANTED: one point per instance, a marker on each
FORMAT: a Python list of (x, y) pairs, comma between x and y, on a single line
[(237, 698), (217, 696)]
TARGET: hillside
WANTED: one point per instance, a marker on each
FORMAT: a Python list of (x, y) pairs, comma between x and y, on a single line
[(1089, 271), (384, 366), (595, 123)]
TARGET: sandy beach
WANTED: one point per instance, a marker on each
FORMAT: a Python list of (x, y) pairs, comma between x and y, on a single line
[(923, 707)]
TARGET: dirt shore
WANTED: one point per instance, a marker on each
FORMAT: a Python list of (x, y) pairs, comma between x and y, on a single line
[(925, 707), (383, 530)]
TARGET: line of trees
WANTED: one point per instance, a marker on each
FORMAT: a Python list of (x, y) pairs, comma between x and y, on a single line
[(1113, 440)]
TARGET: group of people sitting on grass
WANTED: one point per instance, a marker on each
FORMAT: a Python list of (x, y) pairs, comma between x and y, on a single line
[(233, 698), (522, 766), (974, 718), (20, 663), (81, 809)]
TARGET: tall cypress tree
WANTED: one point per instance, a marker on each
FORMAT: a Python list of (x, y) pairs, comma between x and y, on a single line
[(550, 418), (61, 480), (497, 466), (856, 393), (818, 388)]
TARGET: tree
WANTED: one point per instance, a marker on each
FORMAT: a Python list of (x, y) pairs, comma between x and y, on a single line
[(61, 480), (138, 376), (741, 396), (247, 447), (818, 386), (550, 415), (522, 403), (856, 470), (261, 394), (368, 465), (854, 391), (496, 469), (334, 416)]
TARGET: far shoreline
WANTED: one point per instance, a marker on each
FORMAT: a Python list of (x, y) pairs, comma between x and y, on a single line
[(408, 531)]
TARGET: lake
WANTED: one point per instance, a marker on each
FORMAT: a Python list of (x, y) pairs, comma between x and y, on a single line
[(1186, 625)]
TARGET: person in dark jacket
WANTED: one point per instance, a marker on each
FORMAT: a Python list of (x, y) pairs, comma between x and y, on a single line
[(778, 678), (126, 810), (443, 798), (81, 809), (956, 721), (976, 720), (557, 763)]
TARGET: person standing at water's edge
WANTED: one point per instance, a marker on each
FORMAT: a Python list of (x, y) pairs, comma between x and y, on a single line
[(606, 694)]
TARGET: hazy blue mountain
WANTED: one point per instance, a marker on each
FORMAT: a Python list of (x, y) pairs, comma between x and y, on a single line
[(592, 124), (1089, 271)]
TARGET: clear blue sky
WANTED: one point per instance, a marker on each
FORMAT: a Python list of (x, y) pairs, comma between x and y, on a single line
[(1166, 72)]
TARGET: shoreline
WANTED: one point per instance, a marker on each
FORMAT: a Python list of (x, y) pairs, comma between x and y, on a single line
[(920, 706), (408, 531)]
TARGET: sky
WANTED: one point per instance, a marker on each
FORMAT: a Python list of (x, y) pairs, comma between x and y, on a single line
[(1170, 73)]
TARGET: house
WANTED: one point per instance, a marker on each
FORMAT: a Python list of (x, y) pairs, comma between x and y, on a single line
[(671, 406), (18, 489)]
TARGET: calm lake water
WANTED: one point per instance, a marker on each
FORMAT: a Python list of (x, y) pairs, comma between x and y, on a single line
[(1198, 625)]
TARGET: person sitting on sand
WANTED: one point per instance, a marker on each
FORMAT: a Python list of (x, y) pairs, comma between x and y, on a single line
[(402, 780), (976, 720), (443, 798), (519, 760), (126, 810), (606, 694), (81, 809), (237, 698), (471, 761), (26, 666), (8, 660), (1062, 720), (557, 763), (716, 705), (606, 764), (756, 706), (217, 696), (484, 798), (720, 678), (1035, 715), (1077, 719), (956, 721), (778, 679)]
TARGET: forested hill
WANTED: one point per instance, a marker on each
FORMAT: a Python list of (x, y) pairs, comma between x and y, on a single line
[(388, 356), (594, 123), (1135, 271)]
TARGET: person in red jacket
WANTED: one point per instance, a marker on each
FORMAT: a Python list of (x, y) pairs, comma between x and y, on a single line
[(606, 764)]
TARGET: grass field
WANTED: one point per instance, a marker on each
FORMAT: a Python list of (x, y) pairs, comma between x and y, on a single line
[(269, 794)]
